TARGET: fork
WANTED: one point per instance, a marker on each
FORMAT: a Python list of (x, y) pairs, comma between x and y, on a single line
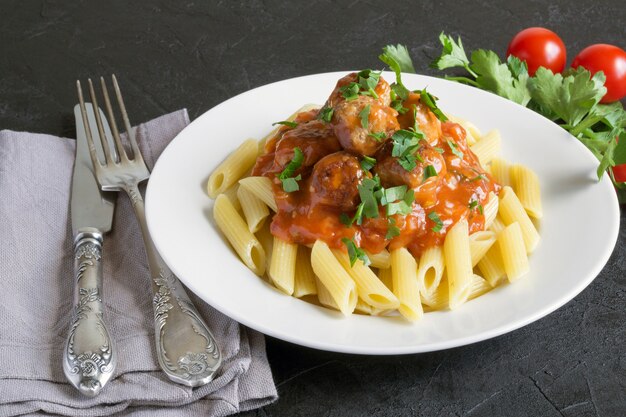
[(186, 350)]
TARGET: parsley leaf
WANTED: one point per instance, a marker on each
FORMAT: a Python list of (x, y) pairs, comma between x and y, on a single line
[(399, 60), (431, 102), (379, 136), (364, 116), (429, 171), (367, 163), (569, 98), (405, 144), (326, 114), (367, 190), (438, 223), (290, 183), (286, 123), (455, 149), (350, 91), (392, 229), (452, 54), (354, 252), (497, 77)]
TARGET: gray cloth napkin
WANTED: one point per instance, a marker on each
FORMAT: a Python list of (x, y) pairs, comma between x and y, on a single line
[(36, 292)]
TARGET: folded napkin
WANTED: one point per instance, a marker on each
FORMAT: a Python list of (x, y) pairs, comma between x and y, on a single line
[(36, 293)]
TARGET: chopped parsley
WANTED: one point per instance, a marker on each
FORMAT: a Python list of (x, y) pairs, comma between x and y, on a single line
[(326, 114), (367, 163), (350, 91), (392, 230), (429, 171), (379, 136), (290, 183), (367, 192), (455, 149), (286, 123), (367, 82), (405, 146), (431, 102), (354, 252), (438, 223), (364, 115)]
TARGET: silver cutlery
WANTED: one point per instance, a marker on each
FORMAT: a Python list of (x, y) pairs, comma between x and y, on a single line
[(186, 350), (89, 357)]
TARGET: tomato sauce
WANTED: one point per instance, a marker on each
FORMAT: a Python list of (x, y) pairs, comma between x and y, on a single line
[(330, 175)]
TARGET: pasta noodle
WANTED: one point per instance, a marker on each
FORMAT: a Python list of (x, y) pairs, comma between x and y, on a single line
[(333, 277), (480, 243), (282, 271), (500, 171), (439, 299), (405, 285), (305, 277), (254, 210), (511, 211), (233, 167), (236, 231), (525, 183), (456, 252), (513, 251), (261, 187), (380, 260), (487, 147), (430, 270)]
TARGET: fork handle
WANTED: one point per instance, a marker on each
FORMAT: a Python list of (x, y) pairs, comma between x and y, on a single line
[(186, 349), (89, 357)]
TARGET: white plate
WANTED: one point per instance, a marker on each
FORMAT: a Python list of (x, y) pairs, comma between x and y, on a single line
[(579, 229)]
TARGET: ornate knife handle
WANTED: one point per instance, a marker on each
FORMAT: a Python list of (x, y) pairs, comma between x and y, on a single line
[(186, 349), (89, 357)]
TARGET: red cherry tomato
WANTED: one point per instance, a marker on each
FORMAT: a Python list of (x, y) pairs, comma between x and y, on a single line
[(619, 172), (612, 61), (539, 47)]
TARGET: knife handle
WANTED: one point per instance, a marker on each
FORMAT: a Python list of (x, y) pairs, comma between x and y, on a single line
[(89, 357), (186, 350)]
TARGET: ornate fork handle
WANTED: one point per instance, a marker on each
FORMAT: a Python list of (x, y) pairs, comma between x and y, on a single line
[(186, 349), (89, 357)]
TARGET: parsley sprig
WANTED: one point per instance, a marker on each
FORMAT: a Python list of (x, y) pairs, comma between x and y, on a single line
[(405, 146), (354, 252), (572, 99), (290, 183)]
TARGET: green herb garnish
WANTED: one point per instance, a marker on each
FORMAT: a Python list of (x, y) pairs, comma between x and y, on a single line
[(326, 114), (286, 123), (431, 102), (364, 116), (290, 183), (367, 163), (438, 223), (354, 252), (429, 171), (392, 229), (455, 149), (379, 136)]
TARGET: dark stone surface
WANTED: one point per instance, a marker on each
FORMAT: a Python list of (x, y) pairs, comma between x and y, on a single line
[(196, 54)]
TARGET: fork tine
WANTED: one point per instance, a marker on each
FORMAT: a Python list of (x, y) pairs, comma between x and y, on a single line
[(109, 153), (83, 111), (131, 133), (116, 133)]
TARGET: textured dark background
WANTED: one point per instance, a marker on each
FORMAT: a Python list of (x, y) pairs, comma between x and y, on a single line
[(196, 54)]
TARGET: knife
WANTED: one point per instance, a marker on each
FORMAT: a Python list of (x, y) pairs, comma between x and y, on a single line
[(89, 357)]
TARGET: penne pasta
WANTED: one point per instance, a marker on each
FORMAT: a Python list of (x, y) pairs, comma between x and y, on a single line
[(291, 118), (261, 187), (305, 277), (405, 285), (232, 168), (514, 257), (458, 260), (439, 299), (236, 231), (430, 270), (333, 277), (369, 287), (497, 225), (525, 183), (491, 266), (490, 210), (511, 211), (324, 296), (480, 242), (282, 271), (231, 193), (380, 260), (265, 237), (385, 277), (488, 147), (500, 171), (254, 210), (473, 134)]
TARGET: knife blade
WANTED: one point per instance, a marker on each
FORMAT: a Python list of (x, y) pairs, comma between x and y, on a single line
[(89, 356)]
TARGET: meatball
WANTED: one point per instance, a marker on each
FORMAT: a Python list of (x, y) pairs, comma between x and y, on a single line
[(391, 173), (334, 181), (426, 119), (382, 90), (315, 139), (355, 132)]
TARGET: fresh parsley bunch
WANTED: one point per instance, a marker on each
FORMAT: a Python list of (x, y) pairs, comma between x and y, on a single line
[(571, 100)]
